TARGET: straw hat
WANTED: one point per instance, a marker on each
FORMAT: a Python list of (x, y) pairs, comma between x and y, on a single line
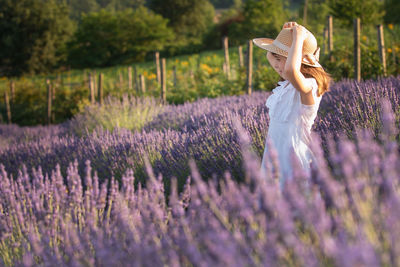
[(283, 42)]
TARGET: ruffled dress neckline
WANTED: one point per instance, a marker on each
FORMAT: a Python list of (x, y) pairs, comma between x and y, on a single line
[(285, 91)]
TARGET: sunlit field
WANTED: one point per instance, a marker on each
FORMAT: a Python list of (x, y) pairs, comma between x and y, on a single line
[(132, 133), (136, 182)]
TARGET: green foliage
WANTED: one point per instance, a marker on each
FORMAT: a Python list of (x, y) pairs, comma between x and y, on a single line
[(343, 58), (190, 20), (107, 38), (260, 18), (369, 11), (118, 5), (29, 107), (392, 11), (224, 3), (317, 11), (266, 78), (122, 37), (226, 18), (33, 34), (209, 87), (79, 7)]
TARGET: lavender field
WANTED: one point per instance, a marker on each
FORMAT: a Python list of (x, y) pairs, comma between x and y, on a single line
[(180, 185)]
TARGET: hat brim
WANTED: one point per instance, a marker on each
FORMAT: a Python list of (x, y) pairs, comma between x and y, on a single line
[(267, 44), (263, 42)]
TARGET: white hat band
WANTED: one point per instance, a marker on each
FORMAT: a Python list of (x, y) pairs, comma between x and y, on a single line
[(280, 45), (286, 48)]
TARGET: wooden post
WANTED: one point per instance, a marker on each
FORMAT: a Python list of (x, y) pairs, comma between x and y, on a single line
[(53, 97), (142, 83), (69, 76), (85, 80), (48, 101), (91, 88), (157, 59), (53, 90), (226, 53), (381, 47), (357, 51), (94, 81), (59, 80), (198, 62), (324, 45), (137, 85), (130, 78), (101, 88), (240, 52), (94, 88), (163, 80), (7, 100), (175, 76), (12, 89), (62, 80), (330, 37), (249, 66), (191, 75), (121, 80), (57, 86), (305, 12)]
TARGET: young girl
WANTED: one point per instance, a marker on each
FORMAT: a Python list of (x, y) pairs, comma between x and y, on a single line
[(294, 103)]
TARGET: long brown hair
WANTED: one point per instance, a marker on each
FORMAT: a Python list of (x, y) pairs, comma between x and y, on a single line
[(320, 75)]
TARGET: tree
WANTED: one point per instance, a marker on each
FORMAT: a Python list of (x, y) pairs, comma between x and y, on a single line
[(190, 19), (32, 35), (79, 7), (317, 11), (224, 3), (108, 38), (392, 9), (258, 18), (369, 11), (118, 5)]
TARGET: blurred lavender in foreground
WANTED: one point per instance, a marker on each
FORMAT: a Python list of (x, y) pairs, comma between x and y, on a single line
[(346, 216)]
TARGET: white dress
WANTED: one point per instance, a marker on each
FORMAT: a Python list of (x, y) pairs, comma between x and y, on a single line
[(290, 127)]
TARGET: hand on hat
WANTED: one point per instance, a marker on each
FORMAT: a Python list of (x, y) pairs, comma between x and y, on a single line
[(298, 30), (289, 24)]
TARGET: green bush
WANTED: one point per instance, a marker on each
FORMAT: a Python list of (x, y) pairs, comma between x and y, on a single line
[(370, 12), (29, 106), (32, 35), (342, 65), (262, 18), (122, 37), (190, 21)]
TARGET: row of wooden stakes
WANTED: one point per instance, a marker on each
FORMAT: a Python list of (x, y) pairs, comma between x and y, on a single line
[(95, 82), (96, 88)]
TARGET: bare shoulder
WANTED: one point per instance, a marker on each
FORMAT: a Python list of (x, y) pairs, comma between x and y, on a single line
[(301, 83), (306, 96)]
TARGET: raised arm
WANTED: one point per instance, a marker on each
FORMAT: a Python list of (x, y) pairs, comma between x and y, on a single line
[(293, 62)]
